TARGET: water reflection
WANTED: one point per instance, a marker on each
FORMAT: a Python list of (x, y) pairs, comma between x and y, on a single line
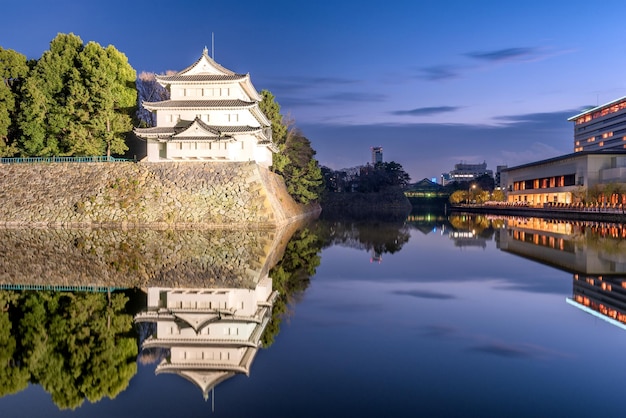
[(603, 297), (206, 335), (205, 306), (202, 304), (77, 346)]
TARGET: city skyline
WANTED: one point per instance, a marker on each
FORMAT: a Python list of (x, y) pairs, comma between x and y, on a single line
[(434, 84)]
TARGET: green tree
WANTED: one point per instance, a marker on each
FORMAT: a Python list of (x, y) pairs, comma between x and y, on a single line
[(46, 119), (382, 176), (458, 196), (295, 157), (13, 69), (77, 100), (270, 107), (110, 98), (498, 196)]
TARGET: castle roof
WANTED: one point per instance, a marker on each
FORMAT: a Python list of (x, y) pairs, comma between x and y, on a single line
[(206, 70), (195, 130), (199, 104)]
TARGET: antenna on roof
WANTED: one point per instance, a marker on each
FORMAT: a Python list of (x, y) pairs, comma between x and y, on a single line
[(212, 46)]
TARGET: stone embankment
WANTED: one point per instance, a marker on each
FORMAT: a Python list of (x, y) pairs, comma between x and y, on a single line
[(155, 195)]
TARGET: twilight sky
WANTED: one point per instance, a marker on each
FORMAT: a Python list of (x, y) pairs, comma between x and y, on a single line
[(434, 83)]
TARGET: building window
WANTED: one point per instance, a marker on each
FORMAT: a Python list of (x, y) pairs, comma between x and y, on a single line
[(607, 135)]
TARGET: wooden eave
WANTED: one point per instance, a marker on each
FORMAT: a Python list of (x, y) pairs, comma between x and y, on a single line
[(199, 104)]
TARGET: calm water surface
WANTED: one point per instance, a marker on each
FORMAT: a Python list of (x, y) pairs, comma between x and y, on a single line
[(429, 317)]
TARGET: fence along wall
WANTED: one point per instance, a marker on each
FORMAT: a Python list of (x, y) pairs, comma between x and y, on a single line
[(130, 194)]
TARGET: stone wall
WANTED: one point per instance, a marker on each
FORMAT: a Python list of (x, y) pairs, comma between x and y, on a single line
[(162, 195)]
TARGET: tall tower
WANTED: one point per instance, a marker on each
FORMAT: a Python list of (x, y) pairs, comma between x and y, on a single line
[(377, 155)]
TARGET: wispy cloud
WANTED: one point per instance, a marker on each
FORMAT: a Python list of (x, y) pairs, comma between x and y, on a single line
[(424, 294), (439, 331), (439, 72), (486, 345), (520, 350), (545, 118), (506, 54), (355, 97), (425, 111), (292, 85)]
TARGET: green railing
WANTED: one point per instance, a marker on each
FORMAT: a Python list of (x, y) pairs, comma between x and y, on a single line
[(59, 288), (37, 160)]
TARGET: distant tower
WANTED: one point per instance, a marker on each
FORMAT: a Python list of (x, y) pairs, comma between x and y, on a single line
[(377, 155)]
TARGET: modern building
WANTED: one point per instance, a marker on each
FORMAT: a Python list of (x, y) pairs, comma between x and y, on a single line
[(377, 155), (465, 172), (212, 114), (564, 179), (601, 128), (498, 177)]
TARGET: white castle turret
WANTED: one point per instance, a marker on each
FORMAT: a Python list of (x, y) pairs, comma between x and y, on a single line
[(213, 114)]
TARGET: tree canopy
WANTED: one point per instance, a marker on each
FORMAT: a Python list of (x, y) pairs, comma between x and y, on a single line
[(295, 157), (76, 100), (13, 69)]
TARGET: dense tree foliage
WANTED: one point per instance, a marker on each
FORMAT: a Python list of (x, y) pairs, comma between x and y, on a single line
[(370, 178), (291, 277), (295, 157), (13, 69), (77, 346), (75, 100)]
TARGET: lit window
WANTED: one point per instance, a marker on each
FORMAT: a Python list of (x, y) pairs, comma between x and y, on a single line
[(607, 135), (601, 143)]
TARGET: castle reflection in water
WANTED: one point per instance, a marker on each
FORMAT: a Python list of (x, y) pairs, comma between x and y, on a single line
[(209, 297)]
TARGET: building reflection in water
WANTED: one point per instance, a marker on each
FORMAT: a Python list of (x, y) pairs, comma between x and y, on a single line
[(603, 297), (209, 297), (594, 252), (207, 335)]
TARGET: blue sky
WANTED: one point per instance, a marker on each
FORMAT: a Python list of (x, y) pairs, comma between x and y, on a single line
[(434, 83)]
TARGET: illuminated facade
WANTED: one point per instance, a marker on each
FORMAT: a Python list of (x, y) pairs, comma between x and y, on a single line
[(601, 128), (465, 172), (213, 114), (563, 179)]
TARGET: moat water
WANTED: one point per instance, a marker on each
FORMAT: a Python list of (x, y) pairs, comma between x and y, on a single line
[(431, 316)]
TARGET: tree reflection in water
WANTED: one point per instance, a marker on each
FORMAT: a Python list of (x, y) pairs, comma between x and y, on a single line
[(77, 346)]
